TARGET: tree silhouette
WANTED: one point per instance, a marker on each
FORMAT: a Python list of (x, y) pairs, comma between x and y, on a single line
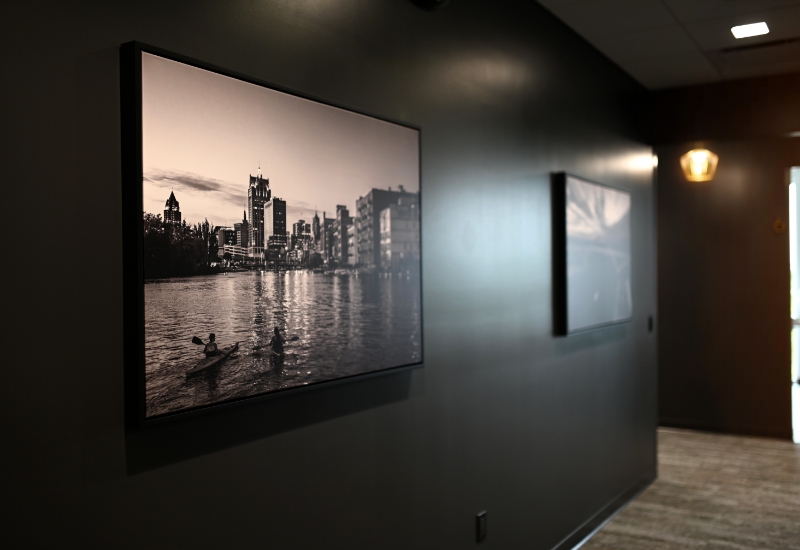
[(177, 249)]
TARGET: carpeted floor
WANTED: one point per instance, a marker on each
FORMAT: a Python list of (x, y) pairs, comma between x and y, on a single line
[(713, 492)]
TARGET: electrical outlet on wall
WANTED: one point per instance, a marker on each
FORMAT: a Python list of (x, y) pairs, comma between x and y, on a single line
[(480, 526)]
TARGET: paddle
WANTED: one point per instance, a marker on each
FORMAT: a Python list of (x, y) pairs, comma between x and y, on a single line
[(198, 341), (292, 339)]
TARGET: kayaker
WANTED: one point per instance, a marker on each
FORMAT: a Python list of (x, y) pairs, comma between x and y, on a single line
[(211, 348), (277, 342)]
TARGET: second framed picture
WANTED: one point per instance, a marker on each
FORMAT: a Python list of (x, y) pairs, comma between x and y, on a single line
[(272, 239), (591, 254)]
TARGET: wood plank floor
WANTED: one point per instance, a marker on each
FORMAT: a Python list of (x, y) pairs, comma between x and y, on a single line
[(713, 492)]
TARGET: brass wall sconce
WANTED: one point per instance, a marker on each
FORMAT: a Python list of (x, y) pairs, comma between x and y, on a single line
[(699, 165)]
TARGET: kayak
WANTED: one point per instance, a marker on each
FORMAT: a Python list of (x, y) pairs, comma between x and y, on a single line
[(208, 362)]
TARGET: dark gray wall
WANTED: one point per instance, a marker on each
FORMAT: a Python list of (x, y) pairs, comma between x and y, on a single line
[(724, 353), (543, 432)]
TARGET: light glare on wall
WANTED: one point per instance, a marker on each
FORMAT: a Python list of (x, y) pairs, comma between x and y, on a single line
[(699, 165), (753, 29)]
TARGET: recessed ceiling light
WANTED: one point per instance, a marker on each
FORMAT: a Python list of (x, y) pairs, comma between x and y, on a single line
[(754, 29)]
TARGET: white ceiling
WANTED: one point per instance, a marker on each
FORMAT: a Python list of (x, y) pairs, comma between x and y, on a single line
[(669, 43)]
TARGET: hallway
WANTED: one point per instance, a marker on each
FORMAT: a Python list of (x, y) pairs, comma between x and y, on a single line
[(713, 492)]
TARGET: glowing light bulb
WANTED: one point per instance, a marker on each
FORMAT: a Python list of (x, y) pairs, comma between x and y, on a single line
[(699, 165)]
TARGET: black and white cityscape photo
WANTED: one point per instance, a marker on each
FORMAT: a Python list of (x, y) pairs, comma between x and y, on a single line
[(281, 240)]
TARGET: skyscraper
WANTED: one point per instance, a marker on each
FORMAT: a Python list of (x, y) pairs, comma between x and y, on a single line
[(226, 236), (368, 226), (258, 194), (399, 230), (326, 237), (172, 210), (301, 234), (242, 231), (274, 224), (315, 229), (343, 219)]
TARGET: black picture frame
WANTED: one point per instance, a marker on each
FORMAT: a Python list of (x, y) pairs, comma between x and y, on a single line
[(591, 261), (134, 325)]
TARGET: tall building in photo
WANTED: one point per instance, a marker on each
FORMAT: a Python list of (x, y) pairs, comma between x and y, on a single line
[(226, 241), (399, 230), (301, 230), (352, 250), (241, 231), (326, 237), (315, 229), (241, 234), (172, 210), (368, 229), (226, 236), (275, 224), (339, 248), (301, 235), (258, 194)]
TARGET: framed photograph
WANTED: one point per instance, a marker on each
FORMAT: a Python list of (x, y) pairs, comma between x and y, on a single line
[(272, 239), (591, 254)]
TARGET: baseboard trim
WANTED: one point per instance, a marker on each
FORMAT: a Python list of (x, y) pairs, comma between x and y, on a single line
[(738, 429), (588, 528)]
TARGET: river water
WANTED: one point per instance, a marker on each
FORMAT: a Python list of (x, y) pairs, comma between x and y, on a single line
[(346, 324)]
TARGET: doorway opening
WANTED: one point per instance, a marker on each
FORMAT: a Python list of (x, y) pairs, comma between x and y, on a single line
[(794, 237)]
